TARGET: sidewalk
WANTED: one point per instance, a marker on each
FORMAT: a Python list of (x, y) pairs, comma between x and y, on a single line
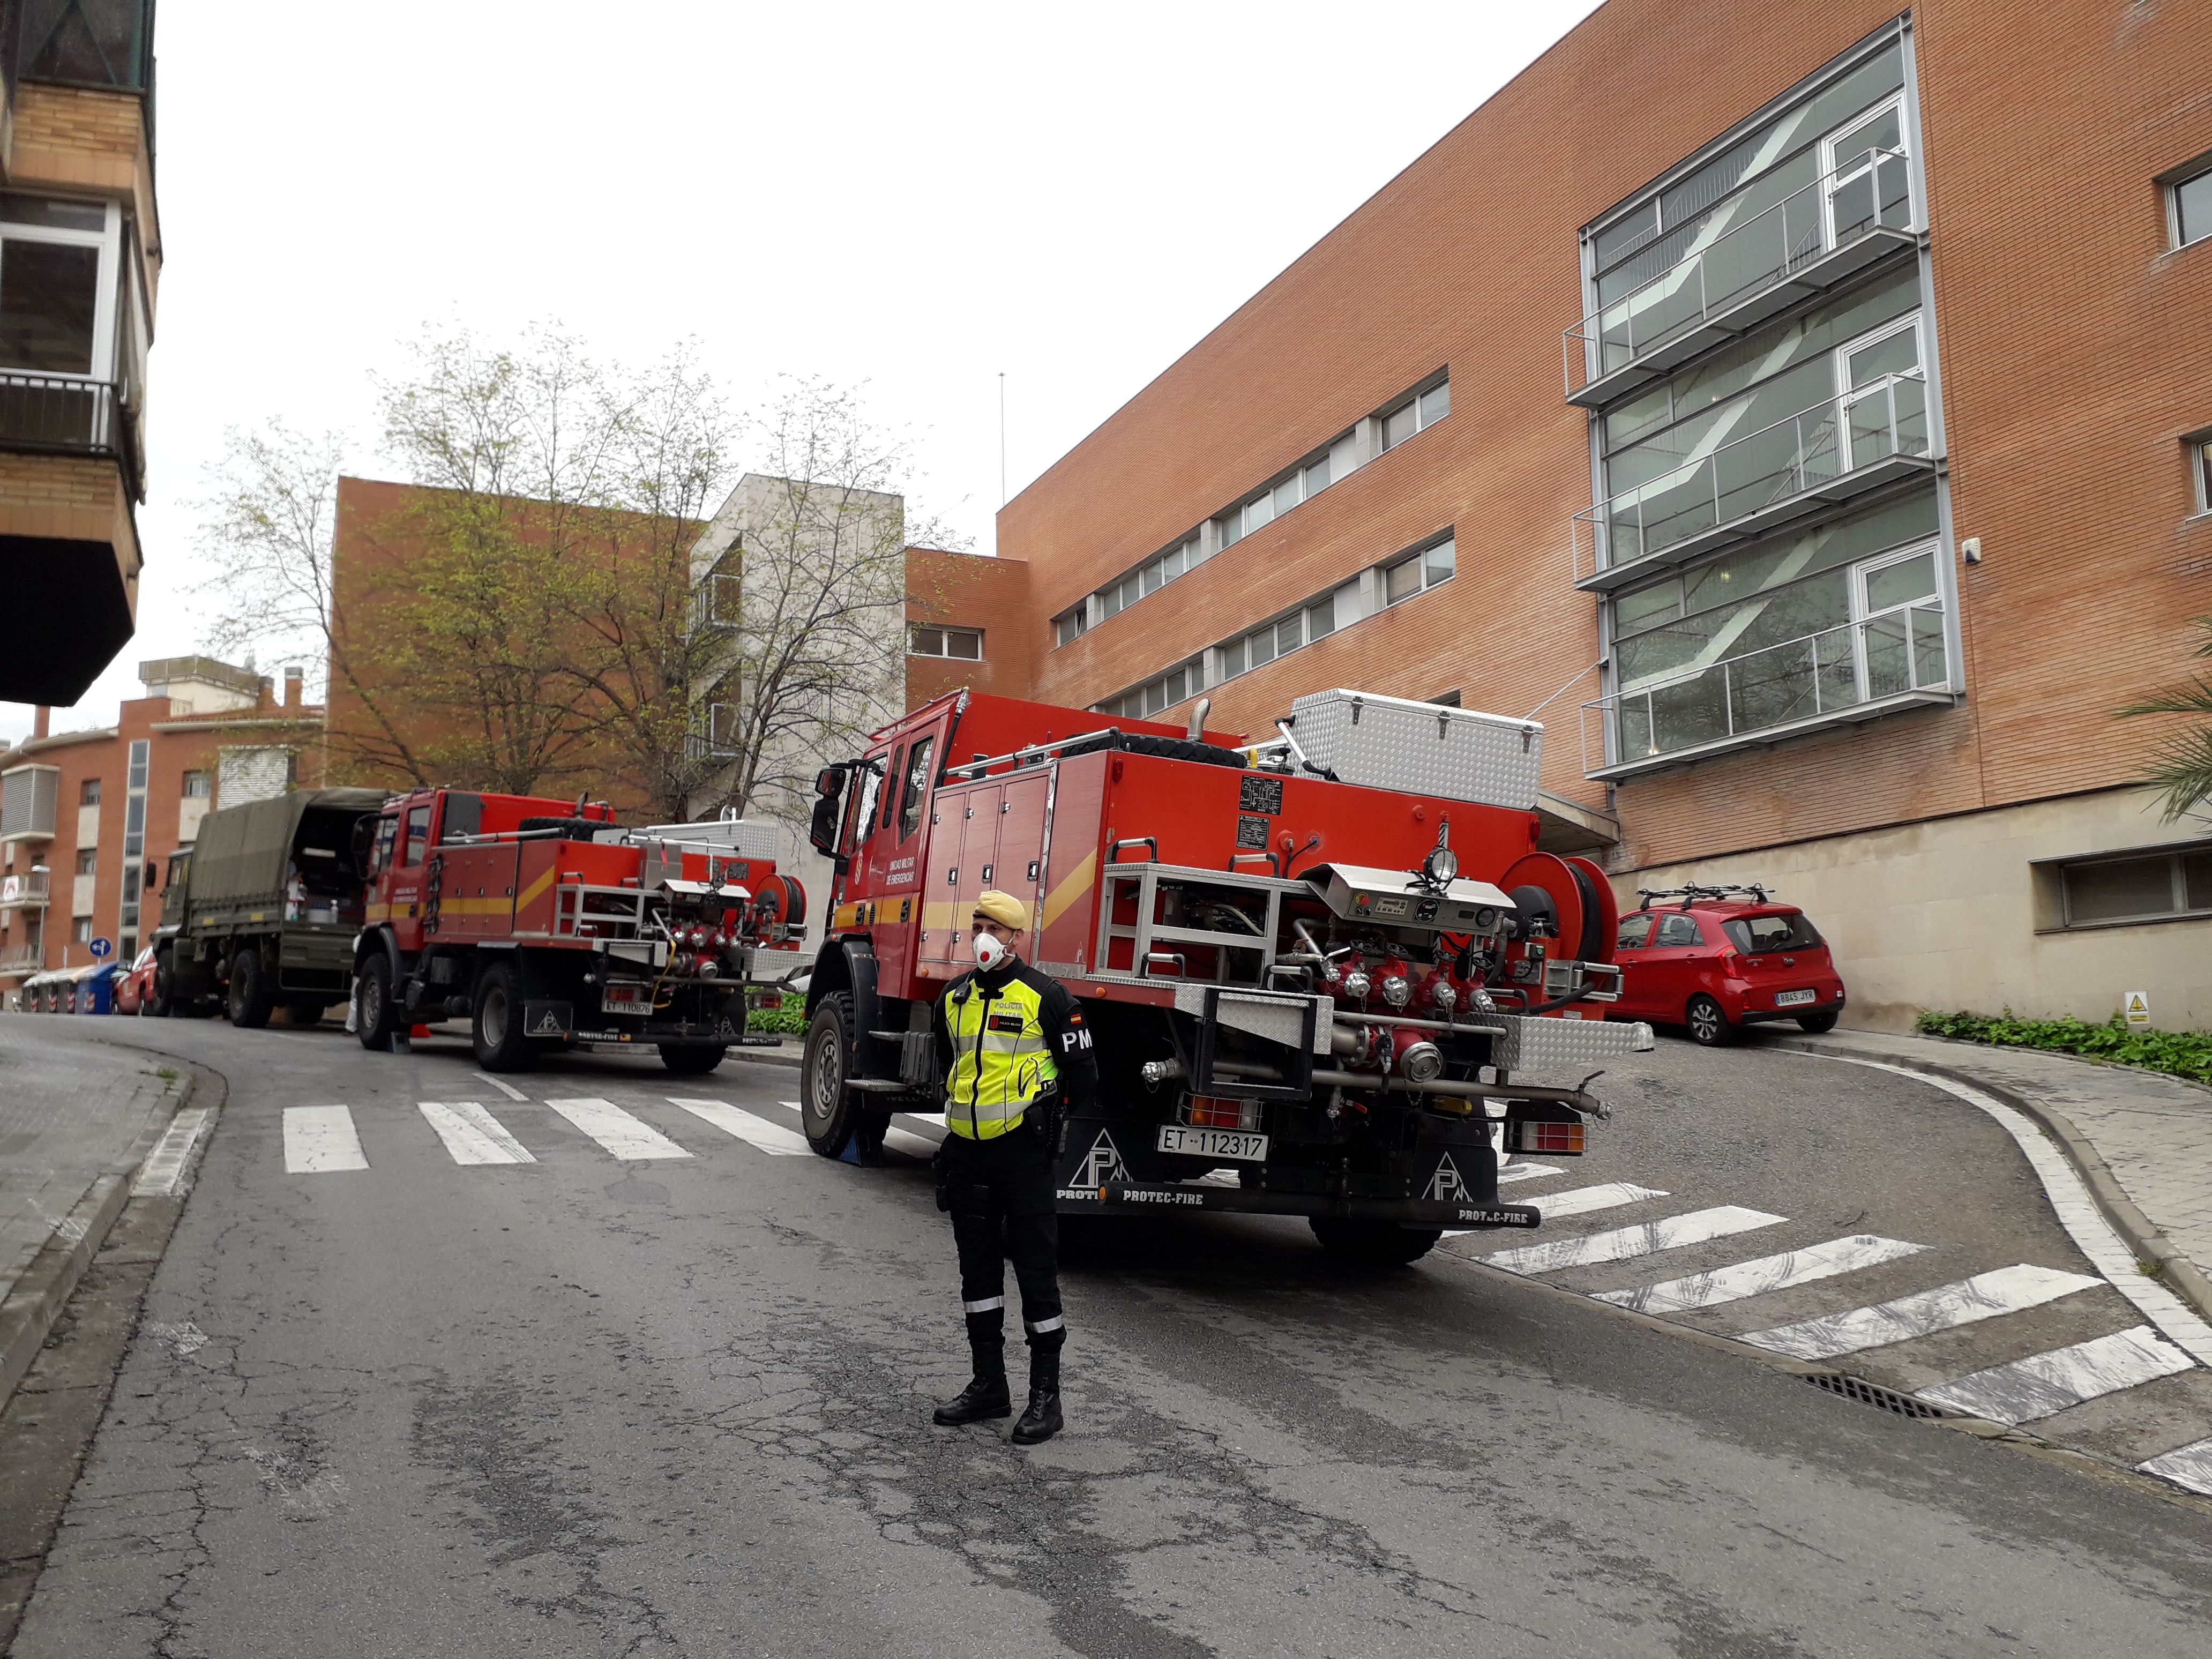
[(2141, 1141), (69, 1113)]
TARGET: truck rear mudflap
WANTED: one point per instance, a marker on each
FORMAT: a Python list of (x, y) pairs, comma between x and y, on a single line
[(1158, 1197)]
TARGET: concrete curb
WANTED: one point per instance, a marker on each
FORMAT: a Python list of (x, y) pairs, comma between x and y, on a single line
[(765, 1057), (35, 1301), (2176, 1271)]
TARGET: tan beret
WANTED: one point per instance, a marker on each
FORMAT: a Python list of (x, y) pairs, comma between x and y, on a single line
[(1004, 909)]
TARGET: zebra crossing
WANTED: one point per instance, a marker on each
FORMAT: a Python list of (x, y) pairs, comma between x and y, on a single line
[(1585, 1227), (2019, 1391)]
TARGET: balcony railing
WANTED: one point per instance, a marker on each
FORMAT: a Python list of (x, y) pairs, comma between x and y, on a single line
[(1807, 242), (1852, 672), (1846, 446), (29, 888), (52, 415), (23, 959)]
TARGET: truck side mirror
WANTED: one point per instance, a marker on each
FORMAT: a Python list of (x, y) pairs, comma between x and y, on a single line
[(829, 783), (822, 831)]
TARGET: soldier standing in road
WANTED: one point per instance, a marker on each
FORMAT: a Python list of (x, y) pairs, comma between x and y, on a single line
[(1017, 1056)]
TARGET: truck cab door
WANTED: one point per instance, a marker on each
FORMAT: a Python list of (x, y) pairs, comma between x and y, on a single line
[(406, 880)]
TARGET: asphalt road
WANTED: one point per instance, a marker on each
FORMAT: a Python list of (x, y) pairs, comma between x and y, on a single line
[(680, 1406)]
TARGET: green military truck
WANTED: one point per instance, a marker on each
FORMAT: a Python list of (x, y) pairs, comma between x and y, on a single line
[(262, 915)]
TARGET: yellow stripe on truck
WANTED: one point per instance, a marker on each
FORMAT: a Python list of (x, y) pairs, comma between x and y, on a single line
[(1079, 882)]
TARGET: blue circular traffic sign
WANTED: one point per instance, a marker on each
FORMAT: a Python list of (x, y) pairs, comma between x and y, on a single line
[(101, 948)]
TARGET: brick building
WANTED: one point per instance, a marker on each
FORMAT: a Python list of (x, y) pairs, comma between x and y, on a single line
[(80, 268), (1873, 479), (88, 819)]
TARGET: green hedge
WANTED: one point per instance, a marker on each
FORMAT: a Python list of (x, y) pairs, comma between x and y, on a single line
[(2183, 1054), (790, 1019)]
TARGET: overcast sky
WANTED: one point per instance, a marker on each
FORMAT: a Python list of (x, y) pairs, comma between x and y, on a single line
[(915, 197)]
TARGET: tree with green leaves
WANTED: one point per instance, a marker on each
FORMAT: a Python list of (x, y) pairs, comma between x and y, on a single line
[(2181, 764)]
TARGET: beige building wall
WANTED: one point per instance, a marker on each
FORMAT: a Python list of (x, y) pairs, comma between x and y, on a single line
[(1950, 913)]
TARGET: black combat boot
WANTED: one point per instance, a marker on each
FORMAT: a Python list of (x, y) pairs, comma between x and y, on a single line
[(1041, 1420), (986, 1395)]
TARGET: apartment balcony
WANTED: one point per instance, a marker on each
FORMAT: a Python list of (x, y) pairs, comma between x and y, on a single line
[(54, 415), (103, 43), (29, 890), (28, 795), (1871, 439), (1860, 670), (21, 960), (1839, 226)]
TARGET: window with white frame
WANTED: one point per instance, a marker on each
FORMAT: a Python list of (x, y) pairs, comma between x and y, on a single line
[(70, 305), (1071, 624), (1416, 414), (1302, 483), (1316, 619), (2191, 202), (1185, 680), (1419, 572), (930, 639), (2200, 465)]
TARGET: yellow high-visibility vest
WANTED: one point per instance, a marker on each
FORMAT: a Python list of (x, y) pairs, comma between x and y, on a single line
[(1000, 1061)]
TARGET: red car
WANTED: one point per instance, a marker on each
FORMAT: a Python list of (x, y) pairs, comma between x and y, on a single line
[(134, 992), (1715, 959)]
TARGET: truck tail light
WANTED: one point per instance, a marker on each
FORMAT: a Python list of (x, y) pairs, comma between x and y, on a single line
[(1561, 1140), (1214, 1112)]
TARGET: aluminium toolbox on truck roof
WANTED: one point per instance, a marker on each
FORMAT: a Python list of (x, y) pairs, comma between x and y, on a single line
[(242, 851)]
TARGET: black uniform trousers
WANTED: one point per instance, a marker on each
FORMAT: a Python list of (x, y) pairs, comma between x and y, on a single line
[(1000, 1193)]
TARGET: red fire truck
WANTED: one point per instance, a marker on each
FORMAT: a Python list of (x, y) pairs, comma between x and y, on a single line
[(1326, 973), (547, 925)]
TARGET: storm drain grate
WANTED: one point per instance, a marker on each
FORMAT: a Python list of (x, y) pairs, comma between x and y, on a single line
[(1872, 1393)]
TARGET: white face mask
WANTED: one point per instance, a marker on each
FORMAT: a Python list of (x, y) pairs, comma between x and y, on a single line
[(990, 951)]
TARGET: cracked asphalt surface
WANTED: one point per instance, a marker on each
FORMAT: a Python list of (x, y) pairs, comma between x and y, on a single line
[(581, 1407)]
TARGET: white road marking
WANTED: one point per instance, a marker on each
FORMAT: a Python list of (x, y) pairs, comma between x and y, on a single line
[(1670, 1234), (320, 1140), (472, 1135), (625, 1137), (2189, 1466), (1985, 1295), (2083, 1220), (1580, 1201), (2047, 1382), (1513, 1172), (914, 1146), (507, 1089), (1770, 1273), (164, 1165), (771, 1138)]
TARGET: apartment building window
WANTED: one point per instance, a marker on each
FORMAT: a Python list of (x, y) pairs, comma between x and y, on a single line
[(2200, 469), (87, 792), (198, 786), (2192, 200), (1421, 572), (928, 639), (1302, 484), (2167, 885), (1186, 680), (61, 274), (84, 930), (1827, 623), (87, 859), (1071, 624), (1416, 414)]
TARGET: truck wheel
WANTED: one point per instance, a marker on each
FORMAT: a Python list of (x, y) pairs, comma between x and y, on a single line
[(376, 1020), (251, 1001), (688, 1061), (1374, 1243), (1708, 1022), (163, 1001), (1817, 1024), (495, 1026), (828, 1107)]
